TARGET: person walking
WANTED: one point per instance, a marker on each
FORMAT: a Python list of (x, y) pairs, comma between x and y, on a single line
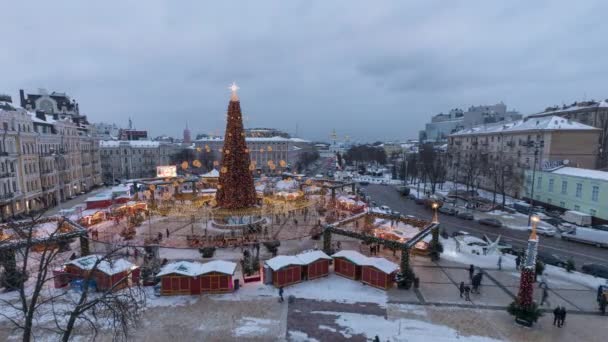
[(167, 230), (556, 315), (467, 292), (471, 271), (500, 262), (461, 288), (281, 300), (517, 262), (562, 316), (544, 297)]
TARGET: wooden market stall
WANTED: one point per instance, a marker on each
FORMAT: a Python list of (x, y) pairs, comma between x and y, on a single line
[(379, 273), (192, 278), (349, 263), (285, 269), (315, 264), (107, 274)]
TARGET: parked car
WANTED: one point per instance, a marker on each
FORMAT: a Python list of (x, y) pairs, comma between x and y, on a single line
[(448, 211), (385, 208), (411, 196), (552, 259), (545, 230), (552, 221), (578, 218), (363, 183), (459, 233), (490, 222), (596, 270), (465, 216), (395, 213)]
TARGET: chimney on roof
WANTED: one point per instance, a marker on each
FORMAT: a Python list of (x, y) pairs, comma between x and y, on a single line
[(22, 97)]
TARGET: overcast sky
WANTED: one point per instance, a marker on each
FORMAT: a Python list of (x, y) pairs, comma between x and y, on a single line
[(369, 69)]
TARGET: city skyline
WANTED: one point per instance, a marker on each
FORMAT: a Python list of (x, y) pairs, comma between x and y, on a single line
[(393, 65)]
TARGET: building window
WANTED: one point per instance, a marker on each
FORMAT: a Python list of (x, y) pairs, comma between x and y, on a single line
[(579, 190), (577, 207), (595, 193), (551, 183), (592, 212), (562, 204), (564, 187)]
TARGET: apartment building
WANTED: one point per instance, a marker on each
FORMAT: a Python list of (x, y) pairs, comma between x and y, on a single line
[(47, 153), (592, 113), (511, 148), (129, 159)]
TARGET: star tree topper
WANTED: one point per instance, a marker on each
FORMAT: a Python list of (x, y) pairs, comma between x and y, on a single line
[(234, 88)]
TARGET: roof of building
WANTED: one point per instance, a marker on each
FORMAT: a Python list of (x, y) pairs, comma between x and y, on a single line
[(584, 173), (312, 256), (573, 107), (132, 143), (109, 267), (547, 123), (193, 269), (362, 260), (281, 261)]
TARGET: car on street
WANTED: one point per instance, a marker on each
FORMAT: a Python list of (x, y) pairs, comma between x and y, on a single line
[(420, 201), (596, 270), (490, 222), (385, 208), (448, 211), (465, 216), (411, 196), (552, 259), (459, 233), (395, 213), (545, 230)]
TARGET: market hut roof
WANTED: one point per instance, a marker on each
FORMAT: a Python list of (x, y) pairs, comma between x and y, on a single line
[(312, 256), (109, 267), (193, 269), (362, 260), (281, 261)]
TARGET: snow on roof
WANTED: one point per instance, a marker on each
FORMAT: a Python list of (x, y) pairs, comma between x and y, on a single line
[(547, 123), (211, 174), (574, 107), (132, 143), (193, 269), (312, 256), (353, 256), (281, 261), (362, 260), (583, 173), (382, 264), (109, 267)]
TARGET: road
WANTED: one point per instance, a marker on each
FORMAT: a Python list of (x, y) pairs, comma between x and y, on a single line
[(580, 253)]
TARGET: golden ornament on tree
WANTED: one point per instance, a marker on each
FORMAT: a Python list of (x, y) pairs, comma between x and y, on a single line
[(283, 163), (184, 165), (269, 148), (224, 169)]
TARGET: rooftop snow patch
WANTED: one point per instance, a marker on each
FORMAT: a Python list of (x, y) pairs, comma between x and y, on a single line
[(546, 123), (193, 269), (109, 267), (281, 261), (583, 173), (362, 260)]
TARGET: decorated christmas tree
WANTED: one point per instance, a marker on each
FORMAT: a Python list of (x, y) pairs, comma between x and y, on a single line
[(235, 188), (524, 308)]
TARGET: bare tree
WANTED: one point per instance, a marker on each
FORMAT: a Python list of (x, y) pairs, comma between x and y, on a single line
[(38, 250), (432, 164)]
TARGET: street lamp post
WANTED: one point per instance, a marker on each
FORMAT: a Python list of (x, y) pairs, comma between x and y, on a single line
[(435, 205), (535, 219), (536, 146)]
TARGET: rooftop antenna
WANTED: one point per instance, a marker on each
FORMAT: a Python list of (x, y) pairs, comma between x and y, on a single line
[(130, 123)]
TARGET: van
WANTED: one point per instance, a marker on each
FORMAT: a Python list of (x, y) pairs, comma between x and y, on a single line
[(576, 217)]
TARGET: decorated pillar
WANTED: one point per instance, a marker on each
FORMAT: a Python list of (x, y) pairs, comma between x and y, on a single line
[(405, 260), (327, 241), (84, 246)]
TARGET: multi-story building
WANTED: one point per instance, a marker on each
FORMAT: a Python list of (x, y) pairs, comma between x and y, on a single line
[(48, 153), (105, 131), (590, 113), (131, 159), (571, 188), (261, 150), (265, 133), (442, 125), (511, 148)]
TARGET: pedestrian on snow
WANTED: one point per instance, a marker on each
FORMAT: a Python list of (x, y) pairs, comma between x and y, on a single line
[(136, 253), (556, 315), (544, 297), (281, 300), (461, 288), (517, 261), (471, 271), (603, 304), (167, 232), (476, 282), (600, 292), (467, 291), (562, 315), (500, 262), (371, 250), (160, 236), (339, 244)]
